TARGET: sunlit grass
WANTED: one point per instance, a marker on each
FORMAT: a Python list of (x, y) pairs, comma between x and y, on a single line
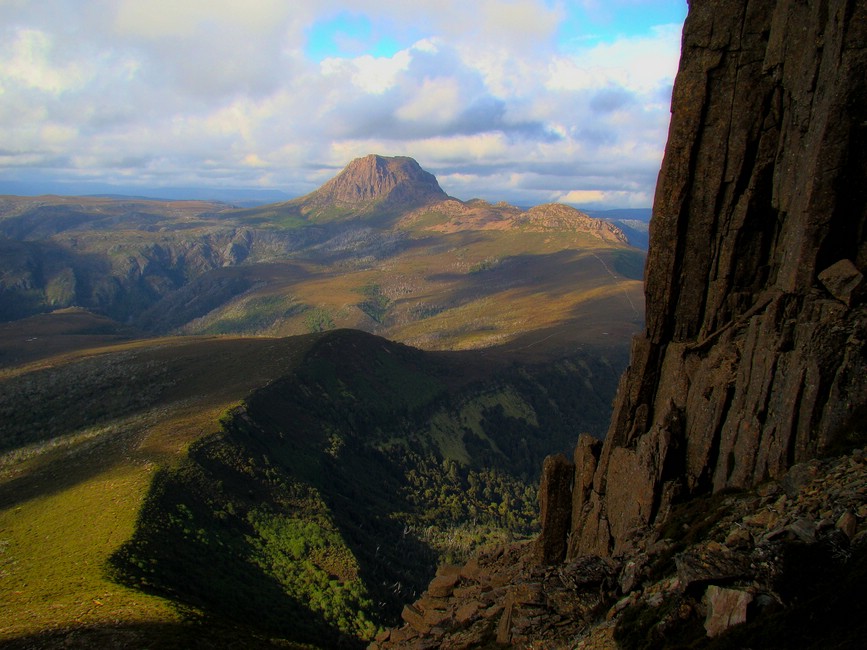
[(75, 498), (471, 290), (54, 550)]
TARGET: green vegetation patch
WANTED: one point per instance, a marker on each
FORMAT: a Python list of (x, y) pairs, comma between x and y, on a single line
[(255, 314), (315, 566), (318, 319), (376, 305), (486, 264), (272, 218), (52, 402), (209, 537), (629, 263)]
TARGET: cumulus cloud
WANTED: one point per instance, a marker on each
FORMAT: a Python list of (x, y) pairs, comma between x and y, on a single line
[(490, 95), (29, 61)]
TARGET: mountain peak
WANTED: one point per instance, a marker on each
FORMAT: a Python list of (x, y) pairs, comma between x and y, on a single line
[(380, 182)]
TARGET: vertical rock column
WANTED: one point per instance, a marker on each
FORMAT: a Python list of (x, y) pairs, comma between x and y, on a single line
[(555, 503)]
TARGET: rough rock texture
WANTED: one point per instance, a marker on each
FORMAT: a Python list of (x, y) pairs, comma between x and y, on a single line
[(556, 216), (750, 362), (504, 597), (477, 214)]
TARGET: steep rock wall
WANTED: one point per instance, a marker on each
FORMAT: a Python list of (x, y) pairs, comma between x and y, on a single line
[(753, 357)]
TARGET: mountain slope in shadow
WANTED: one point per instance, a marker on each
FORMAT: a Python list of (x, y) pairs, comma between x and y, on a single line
[(329, 496)]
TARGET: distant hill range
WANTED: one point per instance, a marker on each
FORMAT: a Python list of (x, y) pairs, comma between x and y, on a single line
[(242, 197), (380, 247)]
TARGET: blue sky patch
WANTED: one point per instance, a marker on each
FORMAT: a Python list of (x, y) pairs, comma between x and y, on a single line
[(350, 35), (586, 26)]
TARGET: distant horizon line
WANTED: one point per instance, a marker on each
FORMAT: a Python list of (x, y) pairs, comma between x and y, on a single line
[(204, 193)]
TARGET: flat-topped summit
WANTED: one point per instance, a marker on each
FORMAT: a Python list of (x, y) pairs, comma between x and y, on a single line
[(374, 183), (374, 178)]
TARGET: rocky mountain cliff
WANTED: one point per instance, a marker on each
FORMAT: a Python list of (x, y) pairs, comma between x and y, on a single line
[(754, 356)]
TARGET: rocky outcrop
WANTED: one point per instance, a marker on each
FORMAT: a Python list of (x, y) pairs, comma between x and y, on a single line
[(754, 356), (556, 216), (707, 511), (453, 215), (504, 597)]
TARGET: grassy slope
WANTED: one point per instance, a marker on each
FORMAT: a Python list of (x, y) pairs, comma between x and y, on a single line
[(69, 502), (464, 290), (414, 455), (323, 504), (64, 330)]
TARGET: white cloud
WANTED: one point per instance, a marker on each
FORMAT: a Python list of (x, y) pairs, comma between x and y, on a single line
[(162, 18), (639, 64), (437, 101), (519, 20), (601, 199), (206, 91), (371, 74), (582, 197), (28, 60)]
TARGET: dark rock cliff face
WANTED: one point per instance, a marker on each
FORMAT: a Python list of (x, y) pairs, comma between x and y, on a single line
[(755, 351)]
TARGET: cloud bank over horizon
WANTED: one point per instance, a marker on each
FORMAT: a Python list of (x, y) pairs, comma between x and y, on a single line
[(527, 101)]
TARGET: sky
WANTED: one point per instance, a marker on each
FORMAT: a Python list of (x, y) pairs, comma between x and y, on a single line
[(525, 101)]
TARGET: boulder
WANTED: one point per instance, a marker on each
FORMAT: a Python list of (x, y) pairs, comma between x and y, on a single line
[(710, 562), (504, 627), (471, 570), (844, 281), (443, 585), (415, 619), (467, 612), (848, 524), (725, 608)]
